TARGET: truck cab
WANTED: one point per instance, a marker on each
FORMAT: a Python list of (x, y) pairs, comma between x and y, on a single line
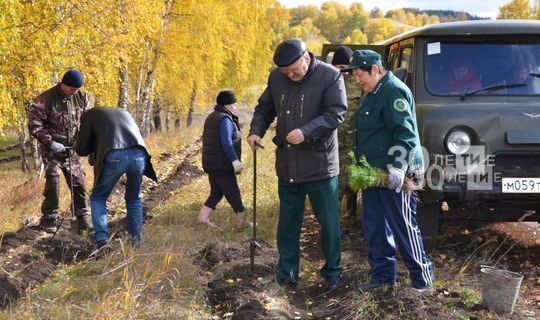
[(477, 93)]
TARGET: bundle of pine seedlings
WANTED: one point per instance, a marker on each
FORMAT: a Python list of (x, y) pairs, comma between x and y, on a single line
[(363, 176)]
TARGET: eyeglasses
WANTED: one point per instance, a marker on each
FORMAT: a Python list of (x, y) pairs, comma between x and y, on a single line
[(292, 69)]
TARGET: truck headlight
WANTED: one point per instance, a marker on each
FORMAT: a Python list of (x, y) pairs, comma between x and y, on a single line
[(458, 142)]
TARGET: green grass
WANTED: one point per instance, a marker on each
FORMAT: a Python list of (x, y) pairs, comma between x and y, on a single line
[(8, 139), (36, 255), (10, 153), (470, 297)]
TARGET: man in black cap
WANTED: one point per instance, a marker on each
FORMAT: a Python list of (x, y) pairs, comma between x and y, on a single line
[(308, 99), (341, 59), (53, 121)]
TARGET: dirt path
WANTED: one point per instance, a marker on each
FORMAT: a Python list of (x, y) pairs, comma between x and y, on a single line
[(28, 257)]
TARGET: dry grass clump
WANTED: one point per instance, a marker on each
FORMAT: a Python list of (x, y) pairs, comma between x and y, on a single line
[(20, 195)]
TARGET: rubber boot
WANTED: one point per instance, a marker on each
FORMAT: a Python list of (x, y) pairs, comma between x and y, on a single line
[(241, 220), (49, 225), (204, 216)]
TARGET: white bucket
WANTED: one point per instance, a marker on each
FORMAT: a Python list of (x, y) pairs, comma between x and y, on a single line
[(500, 289)]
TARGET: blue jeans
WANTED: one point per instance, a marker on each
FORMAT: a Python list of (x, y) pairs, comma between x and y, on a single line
[(132, 162)]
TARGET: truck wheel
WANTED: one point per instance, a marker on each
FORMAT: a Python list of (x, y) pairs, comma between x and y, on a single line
[(427, 216)]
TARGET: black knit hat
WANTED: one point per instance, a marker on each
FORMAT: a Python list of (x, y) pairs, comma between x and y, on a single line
[(342, 56), (289, 51), (225, 97), (73, 78)]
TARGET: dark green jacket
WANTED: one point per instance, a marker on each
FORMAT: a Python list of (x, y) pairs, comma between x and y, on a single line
[(385, 123)]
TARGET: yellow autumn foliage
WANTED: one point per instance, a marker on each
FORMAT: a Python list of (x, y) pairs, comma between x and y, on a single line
[(179, 45), (520, 9), (173, 54)]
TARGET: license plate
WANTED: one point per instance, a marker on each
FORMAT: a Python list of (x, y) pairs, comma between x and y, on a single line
[(521, 185)]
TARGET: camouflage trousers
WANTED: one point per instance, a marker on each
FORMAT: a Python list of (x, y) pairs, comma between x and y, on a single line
[(51, 203)]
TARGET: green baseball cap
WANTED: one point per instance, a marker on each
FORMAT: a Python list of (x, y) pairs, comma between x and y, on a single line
[(363, 58)]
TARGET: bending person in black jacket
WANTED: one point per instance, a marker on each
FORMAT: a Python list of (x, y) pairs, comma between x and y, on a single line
[(222, 152), (115, 145)]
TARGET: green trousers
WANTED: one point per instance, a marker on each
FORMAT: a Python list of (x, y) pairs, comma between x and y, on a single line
[(323, 196)]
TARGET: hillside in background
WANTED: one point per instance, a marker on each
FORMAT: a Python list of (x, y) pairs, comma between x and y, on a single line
[(444, 15)]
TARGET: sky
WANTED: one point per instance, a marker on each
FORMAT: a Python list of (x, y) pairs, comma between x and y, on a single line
[(480, 8)]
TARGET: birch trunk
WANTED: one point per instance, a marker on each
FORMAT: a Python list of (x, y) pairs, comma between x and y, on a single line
[(157, 114), (34, 145), (21, 122), (151, 73), (138, 107), (168, 121), (124, 87), (147, 90), (191, 105)]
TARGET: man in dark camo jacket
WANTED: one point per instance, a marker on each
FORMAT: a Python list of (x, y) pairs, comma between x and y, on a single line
[(341, 59), (54, 120)]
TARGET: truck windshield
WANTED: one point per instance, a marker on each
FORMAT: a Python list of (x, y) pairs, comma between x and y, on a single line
[(454, 68)]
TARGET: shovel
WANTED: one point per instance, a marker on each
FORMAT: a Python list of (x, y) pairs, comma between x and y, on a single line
[(253, 244)]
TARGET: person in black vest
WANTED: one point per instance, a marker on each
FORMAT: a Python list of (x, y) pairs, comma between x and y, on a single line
[(221, 158)]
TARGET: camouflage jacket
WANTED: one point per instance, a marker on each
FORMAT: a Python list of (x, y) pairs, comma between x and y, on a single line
[(345, 131), (49, 120)]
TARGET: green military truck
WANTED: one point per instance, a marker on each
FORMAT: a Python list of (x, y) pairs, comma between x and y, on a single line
[(477, 90)]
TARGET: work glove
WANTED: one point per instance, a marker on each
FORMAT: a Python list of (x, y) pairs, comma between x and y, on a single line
[(237, 165), (57, 147), (395, 179)]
